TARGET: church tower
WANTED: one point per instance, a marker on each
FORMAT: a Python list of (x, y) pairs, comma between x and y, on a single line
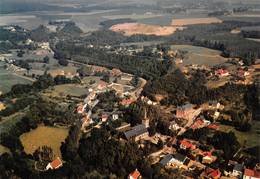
[(145, 121)]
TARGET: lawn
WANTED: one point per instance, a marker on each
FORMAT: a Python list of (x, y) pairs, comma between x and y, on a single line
[(43, 135)]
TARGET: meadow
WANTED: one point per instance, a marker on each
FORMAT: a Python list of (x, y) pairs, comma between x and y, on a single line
[(200, 55), (43, 135)]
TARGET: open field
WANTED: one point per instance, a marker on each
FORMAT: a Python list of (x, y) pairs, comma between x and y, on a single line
[(68, 89), (7, 80), (194, 21), (136, 28), (200, 55), (43, 135), (252, 137)]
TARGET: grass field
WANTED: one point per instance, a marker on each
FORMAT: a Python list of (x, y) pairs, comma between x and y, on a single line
[(200, 55), (7, 80), (43, 135), (252, 137), (68, 89)]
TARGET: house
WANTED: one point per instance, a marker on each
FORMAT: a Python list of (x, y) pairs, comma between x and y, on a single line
[(2, 106), (104, 117), (242, 73), (177, 159), (214, 104), (115, 72), (208, 158), (55, 164), (137, 133), (238, 170), (90, 97), (166, 160), (251, 174), (134, 175), (115, 117), (102, 86), (174, 126), (126, 77), (81, 108), (187, 112), (198, 124), (185, 144), (210, 173), (221, 72), (126, 102)]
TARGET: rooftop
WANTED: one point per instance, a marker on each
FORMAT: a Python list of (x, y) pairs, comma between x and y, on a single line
[(136, 131)]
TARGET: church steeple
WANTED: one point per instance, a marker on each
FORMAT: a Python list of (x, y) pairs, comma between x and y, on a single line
[(145, 120)]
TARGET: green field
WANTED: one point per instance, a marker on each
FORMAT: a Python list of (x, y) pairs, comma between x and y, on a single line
[(7, 80), (68, 89), (200, 55)]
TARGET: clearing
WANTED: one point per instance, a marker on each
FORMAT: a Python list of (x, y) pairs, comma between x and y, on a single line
[(68, 89), (200, 55), (137, 28), (43, 135), (251, 137)]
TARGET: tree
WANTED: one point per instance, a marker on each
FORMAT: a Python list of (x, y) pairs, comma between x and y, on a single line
[(63, 62), (106, 78), (46, 59), (44, 153)]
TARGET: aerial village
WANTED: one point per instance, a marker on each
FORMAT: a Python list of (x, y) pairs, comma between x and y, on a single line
[(109, 92)]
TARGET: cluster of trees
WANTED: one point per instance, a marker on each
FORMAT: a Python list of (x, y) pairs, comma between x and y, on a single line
[(140, 66), (18, 105), (219, 140)]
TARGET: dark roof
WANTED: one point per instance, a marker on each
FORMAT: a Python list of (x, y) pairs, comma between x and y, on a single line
[(136, 131), (238, 167), (166, 159), (186, 106), (179, 157)]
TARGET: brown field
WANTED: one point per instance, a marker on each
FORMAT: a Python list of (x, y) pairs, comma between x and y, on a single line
[(136, 28), (43, 135), (193, 21)]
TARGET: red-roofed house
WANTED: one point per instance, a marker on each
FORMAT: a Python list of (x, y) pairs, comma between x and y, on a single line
[(115, 72), (208, 158), (221, 72), (198, 124), (251, 174), (55, 164), (126, 102), (185, 144), (135, 175), (210, 173), (80, 109), (213, 126)]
